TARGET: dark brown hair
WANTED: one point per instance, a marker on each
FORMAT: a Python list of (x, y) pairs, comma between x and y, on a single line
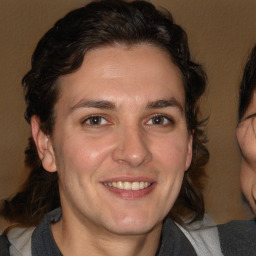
[(248, 84), (62, 50)]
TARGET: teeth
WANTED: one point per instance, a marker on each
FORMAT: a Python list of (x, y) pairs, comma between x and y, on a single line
[(135, 185), (126, 185), (120, 184)]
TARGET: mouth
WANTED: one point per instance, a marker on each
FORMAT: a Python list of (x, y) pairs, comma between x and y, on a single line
[(130, 188), (126, 185)]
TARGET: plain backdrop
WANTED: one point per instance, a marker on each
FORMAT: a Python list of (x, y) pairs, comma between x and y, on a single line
[(220, 32)]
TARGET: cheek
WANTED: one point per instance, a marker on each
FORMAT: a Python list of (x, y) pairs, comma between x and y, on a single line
[(248, 183), (82, 154), (170, 158), (170, 155), (254, 190), (172, 151), (239, 135), (244, 184)]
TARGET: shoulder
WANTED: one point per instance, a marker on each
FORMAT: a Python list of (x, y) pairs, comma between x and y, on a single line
[(4, 245), (19, 241), (43, 242), (238, 237), (199, 238), (204, 237), (173, 241), (16, 242)]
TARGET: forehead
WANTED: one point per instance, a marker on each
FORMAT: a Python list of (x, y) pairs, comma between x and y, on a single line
[(138, 73)]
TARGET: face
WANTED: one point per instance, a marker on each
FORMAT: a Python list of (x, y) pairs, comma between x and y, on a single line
[(246, 136), (120, 143)]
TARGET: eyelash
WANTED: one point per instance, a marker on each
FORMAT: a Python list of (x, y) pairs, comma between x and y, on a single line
[(250, 116)]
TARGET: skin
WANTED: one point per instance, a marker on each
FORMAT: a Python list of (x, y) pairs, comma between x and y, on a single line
[(120, 117), (246, 137)]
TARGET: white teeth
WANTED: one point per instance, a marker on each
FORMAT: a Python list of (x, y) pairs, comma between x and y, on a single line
[(135, 185), (120, 185), (126, 185)]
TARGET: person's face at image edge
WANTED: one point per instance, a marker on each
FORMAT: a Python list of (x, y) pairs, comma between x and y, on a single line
[(120, 143), (246, 136)]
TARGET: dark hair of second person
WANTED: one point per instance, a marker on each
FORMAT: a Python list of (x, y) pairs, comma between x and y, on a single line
[(248, 84)]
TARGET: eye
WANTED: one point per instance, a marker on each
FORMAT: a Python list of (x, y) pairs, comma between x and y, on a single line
[(160, 120), (95, 121)]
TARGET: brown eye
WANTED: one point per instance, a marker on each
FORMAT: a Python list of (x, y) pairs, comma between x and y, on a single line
[(95, 120), (159, 120)]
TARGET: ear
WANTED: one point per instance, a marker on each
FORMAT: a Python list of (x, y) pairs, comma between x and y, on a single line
[(189, 152), (44, 145)]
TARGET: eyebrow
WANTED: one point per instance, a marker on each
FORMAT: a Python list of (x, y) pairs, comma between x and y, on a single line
[(104, 104), (101, 104), (164, 103)]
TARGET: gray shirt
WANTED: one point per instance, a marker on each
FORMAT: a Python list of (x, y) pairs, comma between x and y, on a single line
[(238, 238)]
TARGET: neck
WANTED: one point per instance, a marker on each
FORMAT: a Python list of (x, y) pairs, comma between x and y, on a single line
[(78, 240)]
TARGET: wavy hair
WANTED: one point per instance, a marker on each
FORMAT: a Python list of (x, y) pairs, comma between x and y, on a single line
[(61, 51)]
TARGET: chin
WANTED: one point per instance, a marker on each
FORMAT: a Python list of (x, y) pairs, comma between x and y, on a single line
[(132, 226)]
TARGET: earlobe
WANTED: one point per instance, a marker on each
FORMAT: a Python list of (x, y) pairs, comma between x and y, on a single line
[(189, 152), (44, 145)]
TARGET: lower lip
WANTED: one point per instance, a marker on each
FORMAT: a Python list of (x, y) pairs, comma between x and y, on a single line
[(131, 194)]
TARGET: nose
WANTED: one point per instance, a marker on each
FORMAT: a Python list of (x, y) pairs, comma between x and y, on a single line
[(132, 148)]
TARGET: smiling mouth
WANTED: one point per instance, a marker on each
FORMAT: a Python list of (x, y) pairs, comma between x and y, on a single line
[(126, 185)]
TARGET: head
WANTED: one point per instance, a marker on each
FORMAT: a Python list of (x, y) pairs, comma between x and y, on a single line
[(106, 28), (246, 135)]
